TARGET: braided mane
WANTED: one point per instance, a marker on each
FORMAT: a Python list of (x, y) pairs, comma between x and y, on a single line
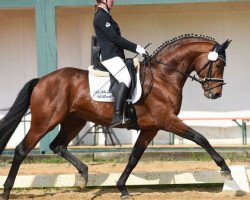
[(181, 37)]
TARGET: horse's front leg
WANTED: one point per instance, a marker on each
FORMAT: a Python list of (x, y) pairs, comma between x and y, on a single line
[(141, 144), (177, 127)]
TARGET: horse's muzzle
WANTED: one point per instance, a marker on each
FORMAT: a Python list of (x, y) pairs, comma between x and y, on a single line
[(216, 95)]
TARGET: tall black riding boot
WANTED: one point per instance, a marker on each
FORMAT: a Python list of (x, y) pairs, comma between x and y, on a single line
[(119, 101)]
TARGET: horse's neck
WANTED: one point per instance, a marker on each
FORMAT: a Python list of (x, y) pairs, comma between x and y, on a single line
[(180, 62)]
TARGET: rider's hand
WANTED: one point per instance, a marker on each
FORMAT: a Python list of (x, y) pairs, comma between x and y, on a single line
[(141, 50)]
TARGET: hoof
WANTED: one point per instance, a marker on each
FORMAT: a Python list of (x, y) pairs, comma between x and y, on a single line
[(227, 175), (82, 183), (126, 196), (83, 180)]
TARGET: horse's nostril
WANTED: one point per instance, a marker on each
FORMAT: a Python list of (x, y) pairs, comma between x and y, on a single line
[(216, 95)]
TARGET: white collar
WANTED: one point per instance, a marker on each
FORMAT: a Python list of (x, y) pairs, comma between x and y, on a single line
[(105, 9)]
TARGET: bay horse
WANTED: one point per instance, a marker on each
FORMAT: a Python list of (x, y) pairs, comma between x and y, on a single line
[(63, 97)]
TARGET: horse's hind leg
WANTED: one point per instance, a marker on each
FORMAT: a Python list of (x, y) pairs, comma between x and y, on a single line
[(33, 136), (181, 129), (141, 144), (70, 127)]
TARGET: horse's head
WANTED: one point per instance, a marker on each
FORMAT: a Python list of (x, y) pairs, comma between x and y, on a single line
[(210, 67)]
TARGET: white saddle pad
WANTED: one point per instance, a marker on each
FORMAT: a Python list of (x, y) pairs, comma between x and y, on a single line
[(99, 83)]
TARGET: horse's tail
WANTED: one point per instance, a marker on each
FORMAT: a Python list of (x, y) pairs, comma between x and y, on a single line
[(10, 122)]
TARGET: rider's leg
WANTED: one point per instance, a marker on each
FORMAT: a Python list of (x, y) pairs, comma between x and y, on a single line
[(118, 69), (119, 102)]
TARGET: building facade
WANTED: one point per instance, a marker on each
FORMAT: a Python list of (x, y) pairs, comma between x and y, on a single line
[(40, 36)]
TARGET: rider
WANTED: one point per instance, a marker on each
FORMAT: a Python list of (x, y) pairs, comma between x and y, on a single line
[(112, 46)]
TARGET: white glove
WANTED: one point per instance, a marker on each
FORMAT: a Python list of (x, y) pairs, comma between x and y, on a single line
[(140, 50)]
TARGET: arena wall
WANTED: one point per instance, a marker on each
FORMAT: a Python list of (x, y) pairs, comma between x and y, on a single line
[(141, 24)]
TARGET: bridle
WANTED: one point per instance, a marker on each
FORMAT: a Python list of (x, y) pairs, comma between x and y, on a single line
[(218, 49), (208, 78)]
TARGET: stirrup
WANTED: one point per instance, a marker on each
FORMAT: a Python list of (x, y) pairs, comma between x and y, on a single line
[(117, 120), (115, 124)]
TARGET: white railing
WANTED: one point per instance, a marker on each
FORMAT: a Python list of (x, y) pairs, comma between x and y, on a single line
[(218, 127)]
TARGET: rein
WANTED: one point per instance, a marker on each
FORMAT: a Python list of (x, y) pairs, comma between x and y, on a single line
[(147, 59), (193, 78)]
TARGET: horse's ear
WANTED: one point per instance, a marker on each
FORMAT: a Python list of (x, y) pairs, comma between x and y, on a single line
[(223, 46), (227, 43)]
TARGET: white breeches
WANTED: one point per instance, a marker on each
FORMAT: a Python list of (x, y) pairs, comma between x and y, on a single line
[(118, 69)]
